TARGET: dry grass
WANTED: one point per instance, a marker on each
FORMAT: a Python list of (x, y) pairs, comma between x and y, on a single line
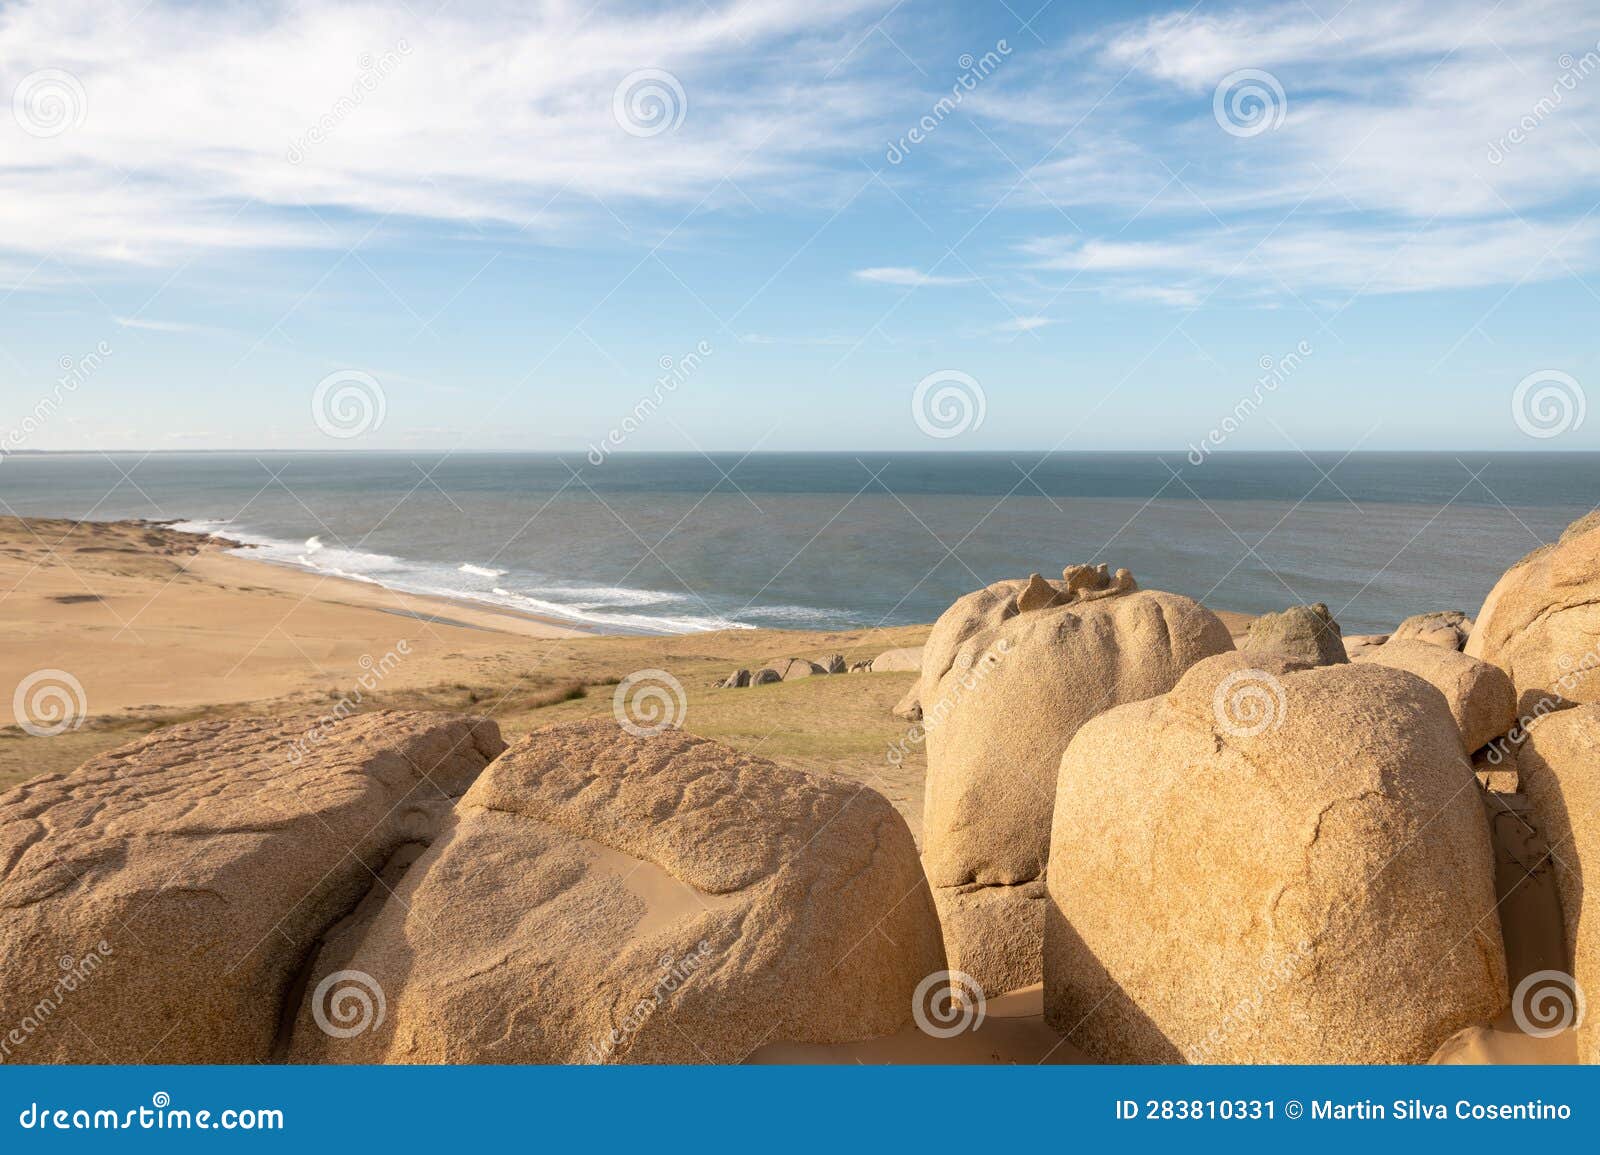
[(838, 725)]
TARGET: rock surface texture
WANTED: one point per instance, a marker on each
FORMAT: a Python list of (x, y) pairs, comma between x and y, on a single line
[(1447, 628), (1541, 622), (197, 869), (607, 898), (1003, 689), (1557, 765), (1273, 863), (1481, 698), (1301, 633)]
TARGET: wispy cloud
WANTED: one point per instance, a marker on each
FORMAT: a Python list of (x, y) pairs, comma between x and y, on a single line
[(1396, 166), (155, 326), (196, 128), (899, 275)]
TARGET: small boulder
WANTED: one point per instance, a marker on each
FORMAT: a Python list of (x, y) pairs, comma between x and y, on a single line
[(1447, 628), (893, 661), (765, 676), (835, 664), (1272, 863), (1301, 633), (603, 898), (862, 667), (1357, 644), (736, 680), (909, 707), (791, 669), (1480, 695)]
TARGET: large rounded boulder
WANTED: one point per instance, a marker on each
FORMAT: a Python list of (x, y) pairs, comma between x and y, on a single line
[(157, 903), (1541, 622), (607, 898), (1273, 863), (1559, 765), (1481, 697), (1009, 674)]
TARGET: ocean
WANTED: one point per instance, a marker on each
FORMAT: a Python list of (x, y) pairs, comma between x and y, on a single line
[(672, 543)]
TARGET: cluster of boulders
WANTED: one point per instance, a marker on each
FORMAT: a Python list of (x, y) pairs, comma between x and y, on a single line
[(1275, 854), (791, 669), (412, 891), (1274, 851)]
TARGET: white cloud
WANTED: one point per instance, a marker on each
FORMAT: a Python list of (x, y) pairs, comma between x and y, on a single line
[(1397, 166), (1023, 324), (213, 127), (898, 275), (155, 326)]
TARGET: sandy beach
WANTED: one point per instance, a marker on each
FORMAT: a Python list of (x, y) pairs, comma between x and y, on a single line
[(159, 626)]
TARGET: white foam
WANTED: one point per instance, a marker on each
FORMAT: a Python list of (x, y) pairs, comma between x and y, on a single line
[(580, 604)]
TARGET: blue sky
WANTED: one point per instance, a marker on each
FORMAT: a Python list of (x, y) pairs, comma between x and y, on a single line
[(206, 212)]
